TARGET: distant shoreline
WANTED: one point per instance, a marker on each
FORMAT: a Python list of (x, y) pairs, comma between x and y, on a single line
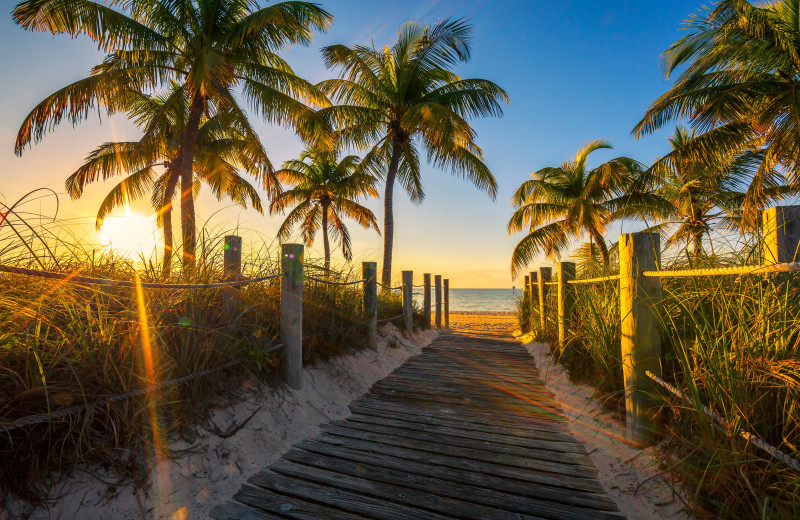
[(488, 313)]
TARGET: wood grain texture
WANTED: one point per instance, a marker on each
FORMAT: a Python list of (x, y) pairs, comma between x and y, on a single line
[(465, 430)]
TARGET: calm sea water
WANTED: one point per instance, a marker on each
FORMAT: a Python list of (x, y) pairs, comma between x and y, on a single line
[(479, 299)]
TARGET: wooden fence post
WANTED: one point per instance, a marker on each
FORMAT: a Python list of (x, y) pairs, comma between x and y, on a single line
[(232, 257), (408, 298), (447, 303), (534, 295), (369, 272), (566, 272), (231, 271), (526, 288), (292, 314), (781, 234), (437, 282), (544, 277), (426, 300), (640, 303)]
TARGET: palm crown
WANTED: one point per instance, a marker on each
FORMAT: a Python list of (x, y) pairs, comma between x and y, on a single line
[(742, 66), (207, 48), (400, 99), (223, 149), (560, 203), (323, 190)]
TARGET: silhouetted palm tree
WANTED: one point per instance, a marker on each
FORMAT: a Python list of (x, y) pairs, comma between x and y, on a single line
[(153, 165), (212, 50)]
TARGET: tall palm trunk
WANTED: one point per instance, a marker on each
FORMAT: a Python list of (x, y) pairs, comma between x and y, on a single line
[(188, 223), (166, 219), (697, 238), (388, 216), (325, 242), (601, 245)]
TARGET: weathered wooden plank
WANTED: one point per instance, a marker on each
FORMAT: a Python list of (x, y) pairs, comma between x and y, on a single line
[(469, 417), (237, 511), (530, 473), (498, 436), (538, 453), (561, 467), (541, 410), (477, 386), (430, 484), (406, 493), (346, 501), (502, 394), (548, 491), (510, 430), (285, 505)]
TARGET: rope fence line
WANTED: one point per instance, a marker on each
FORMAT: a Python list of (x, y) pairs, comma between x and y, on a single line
[(42, 418), (749, 437), (328, 282), (594, 280), (390, 319), (129, 283), (291, 334), (390, 288), (726, 271), (639, 297)]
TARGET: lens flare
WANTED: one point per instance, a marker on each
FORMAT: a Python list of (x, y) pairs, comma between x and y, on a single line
[(149, 362)]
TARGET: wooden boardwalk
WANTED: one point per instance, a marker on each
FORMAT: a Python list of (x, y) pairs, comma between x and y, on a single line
[(464, 430)]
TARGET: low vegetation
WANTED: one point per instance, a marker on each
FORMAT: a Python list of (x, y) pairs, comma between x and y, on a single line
[(730, 343), (65, 345)]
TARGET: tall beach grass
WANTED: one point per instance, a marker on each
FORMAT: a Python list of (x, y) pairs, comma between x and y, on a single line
[(66, 344), (731, 343)]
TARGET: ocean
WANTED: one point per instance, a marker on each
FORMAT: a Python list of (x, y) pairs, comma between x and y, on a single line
[(478, 299)]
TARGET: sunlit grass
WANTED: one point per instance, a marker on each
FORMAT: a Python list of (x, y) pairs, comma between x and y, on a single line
[(731, 343), (64, 344)]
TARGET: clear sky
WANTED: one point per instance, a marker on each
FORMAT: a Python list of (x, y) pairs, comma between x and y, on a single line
[(575, 71)]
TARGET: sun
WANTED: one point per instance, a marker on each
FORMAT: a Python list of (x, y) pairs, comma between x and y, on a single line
[(132, 235)]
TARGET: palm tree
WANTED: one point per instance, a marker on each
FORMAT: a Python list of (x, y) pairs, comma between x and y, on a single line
[(705, 192), (322, 190), (223, 148), (561, 203), (210, 49), (697, 190), (739, 87), (400, 99)]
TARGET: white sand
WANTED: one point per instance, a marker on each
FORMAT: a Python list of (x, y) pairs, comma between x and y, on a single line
[(631, 475), (192, 485)]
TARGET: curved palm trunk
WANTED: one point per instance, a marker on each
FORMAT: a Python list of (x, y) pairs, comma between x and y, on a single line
[(601, 245), (166, 219), (188, 223), (388, 216), (325, 241)]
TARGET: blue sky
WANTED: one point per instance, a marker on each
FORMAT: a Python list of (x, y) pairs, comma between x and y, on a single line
[(574, 70)]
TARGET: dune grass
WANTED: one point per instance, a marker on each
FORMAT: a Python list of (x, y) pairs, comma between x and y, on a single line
[(68, 344), (731, 343)]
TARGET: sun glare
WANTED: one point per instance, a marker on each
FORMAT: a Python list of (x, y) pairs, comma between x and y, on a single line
[(130, 234)]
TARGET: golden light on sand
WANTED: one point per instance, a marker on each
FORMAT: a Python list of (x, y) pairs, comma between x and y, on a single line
[(131, 234)]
